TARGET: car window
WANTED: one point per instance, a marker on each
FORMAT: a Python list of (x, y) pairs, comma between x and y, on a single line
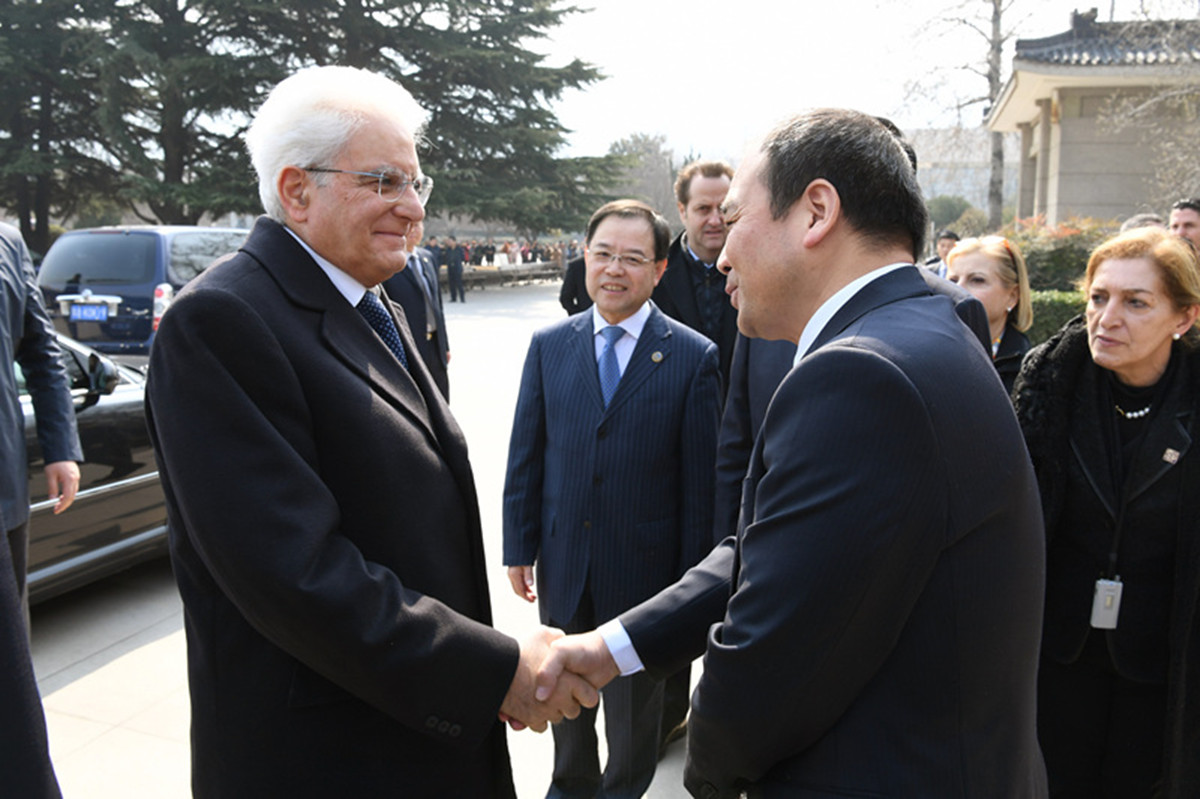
[(192, 253), (98, 259), (77, 378)]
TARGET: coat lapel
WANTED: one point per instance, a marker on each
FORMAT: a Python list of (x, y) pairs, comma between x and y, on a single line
[(1168, 438), (652, 350), (583, 354), (342, 328)]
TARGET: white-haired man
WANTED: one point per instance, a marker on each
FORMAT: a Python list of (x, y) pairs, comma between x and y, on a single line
[(324, 526)]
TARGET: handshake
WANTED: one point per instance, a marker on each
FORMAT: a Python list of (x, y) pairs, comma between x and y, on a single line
[(557, 675)]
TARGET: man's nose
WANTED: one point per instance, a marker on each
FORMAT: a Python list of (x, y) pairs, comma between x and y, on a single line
[(723, 262)]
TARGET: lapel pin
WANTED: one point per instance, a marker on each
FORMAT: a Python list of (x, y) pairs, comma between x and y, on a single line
[(1171, 455), (656, 356)]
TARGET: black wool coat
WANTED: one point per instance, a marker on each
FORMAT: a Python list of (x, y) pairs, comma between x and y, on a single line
[(1059, 412)]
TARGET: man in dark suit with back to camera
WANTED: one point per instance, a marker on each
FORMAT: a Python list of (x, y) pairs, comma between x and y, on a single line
[(27, 339), (416, 290), (324, 527), (610, 472), (873, 628)]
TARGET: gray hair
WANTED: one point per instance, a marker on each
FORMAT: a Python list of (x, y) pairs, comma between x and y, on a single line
[(309, 117)]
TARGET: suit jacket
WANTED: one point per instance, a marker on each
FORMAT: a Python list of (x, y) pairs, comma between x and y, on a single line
[(574, 295), (325, 536), (675, 294), (611, 498), (758, 368), (408, 289), (877, 616), (27, 338)]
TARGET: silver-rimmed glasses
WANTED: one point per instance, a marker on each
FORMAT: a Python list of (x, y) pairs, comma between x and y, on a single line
[(391, 183)]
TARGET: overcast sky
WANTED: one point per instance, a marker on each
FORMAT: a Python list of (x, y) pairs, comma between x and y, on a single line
[(711, 74)]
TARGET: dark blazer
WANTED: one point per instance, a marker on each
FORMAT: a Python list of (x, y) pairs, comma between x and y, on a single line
[(325, 536), (1013, 346), (574, 295), (1157, 639), (406, 289), (27, 338), (877, 616), (675, 295), (611, 497), (758, 368)]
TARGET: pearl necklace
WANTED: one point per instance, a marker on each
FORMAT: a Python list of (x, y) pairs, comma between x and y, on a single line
[(1132, 414)]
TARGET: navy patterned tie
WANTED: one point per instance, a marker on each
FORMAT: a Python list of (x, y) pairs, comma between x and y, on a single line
[(610, 370), (378, 318)]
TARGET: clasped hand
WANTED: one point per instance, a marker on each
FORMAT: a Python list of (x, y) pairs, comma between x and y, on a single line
[(563, 700), (556, 676)]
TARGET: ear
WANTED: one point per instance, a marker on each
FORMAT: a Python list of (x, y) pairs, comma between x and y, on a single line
[(820, 208), (1189, 319), (660, 267), (295, 190)]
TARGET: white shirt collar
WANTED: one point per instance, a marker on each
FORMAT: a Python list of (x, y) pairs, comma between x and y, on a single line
[(632, 324), (347, 286), (834, 304)]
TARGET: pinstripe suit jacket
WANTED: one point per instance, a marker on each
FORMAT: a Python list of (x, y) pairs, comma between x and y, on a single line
[(617, 498)]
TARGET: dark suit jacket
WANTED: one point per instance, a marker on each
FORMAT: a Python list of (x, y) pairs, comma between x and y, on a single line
[(27, 338), (574, 295), (758, 368), (611, 497), (407, 290), (675, 294), (325, 536), (878, 614)]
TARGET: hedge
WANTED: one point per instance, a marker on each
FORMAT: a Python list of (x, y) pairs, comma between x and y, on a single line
[(1051, 310)]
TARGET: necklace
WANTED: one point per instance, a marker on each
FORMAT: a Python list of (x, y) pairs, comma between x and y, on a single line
[(1132, 414)]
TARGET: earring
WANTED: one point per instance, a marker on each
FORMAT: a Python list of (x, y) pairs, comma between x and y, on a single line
[(1008, 309), (1175, 336)]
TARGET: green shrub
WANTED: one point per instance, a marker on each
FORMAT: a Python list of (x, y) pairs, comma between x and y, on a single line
[(1051, 310), (1057, 255)]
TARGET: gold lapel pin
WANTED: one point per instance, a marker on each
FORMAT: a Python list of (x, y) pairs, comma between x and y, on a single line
[(656, 356), (1171, 456)]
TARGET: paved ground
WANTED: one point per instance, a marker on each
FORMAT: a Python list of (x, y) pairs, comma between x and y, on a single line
[(110, 658)]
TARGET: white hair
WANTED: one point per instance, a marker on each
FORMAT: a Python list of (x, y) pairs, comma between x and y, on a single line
[(309, 117)]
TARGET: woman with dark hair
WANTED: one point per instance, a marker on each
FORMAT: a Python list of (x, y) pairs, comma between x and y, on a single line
[(993, 270), (1109, 408)]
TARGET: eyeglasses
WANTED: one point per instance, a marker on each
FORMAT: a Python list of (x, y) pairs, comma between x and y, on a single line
[(604, 258), (391, 183)]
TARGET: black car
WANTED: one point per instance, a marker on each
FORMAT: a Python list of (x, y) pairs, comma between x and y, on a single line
[(119, 517), (108, 287)]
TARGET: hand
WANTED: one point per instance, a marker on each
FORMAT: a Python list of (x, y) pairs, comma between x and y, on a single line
[(561, 701), (585, 654), (62, 481), (521, 578)]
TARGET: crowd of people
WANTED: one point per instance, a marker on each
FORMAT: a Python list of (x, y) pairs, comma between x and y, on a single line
[(919, 557)]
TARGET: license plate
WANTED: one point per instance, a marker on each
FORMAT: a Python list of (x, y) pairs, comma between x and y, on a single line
[(89, 313)]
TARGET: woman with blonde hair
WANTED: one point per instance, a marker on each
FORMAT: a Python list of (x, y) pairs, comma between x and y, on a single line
[(1110, 408), (993, 270)]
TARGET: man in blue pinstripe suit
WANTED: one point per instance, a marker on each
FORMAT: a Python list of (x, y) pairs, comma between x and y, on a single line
[(610, 476)]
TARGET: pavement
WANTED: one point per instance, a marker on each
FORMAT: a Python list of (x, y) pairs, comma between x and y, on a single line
[(111, 658)]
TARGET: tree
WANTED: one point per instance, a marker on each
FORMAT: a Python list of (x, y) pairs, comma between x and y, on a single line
[(994, 36), (49, 162), (649, 171), (944, 210), (492, 136), (178, 83)]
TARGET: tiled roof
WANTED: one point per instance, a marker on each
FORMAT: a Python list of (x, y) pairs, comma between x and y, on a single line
[(1138, 43)]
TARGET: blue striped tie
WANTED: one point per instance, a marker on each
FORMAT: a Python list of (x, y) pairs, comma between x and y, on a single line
[(610, 370), (378, 318)]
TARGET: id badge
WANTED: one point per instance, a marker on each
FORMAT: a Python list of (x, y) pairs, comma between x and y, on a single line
[(1106, 604)]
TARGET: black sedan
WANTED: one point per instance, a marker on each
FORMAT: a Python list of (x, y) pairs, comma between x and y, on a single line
[(119, 517)]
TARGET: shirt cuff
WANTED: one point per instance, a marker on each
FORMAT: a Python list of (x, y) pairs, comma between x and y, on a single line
[(620, 647)]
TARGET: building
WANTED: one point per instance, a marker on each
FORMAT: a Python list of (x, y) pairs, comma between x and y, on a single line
[(1063, 97)]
